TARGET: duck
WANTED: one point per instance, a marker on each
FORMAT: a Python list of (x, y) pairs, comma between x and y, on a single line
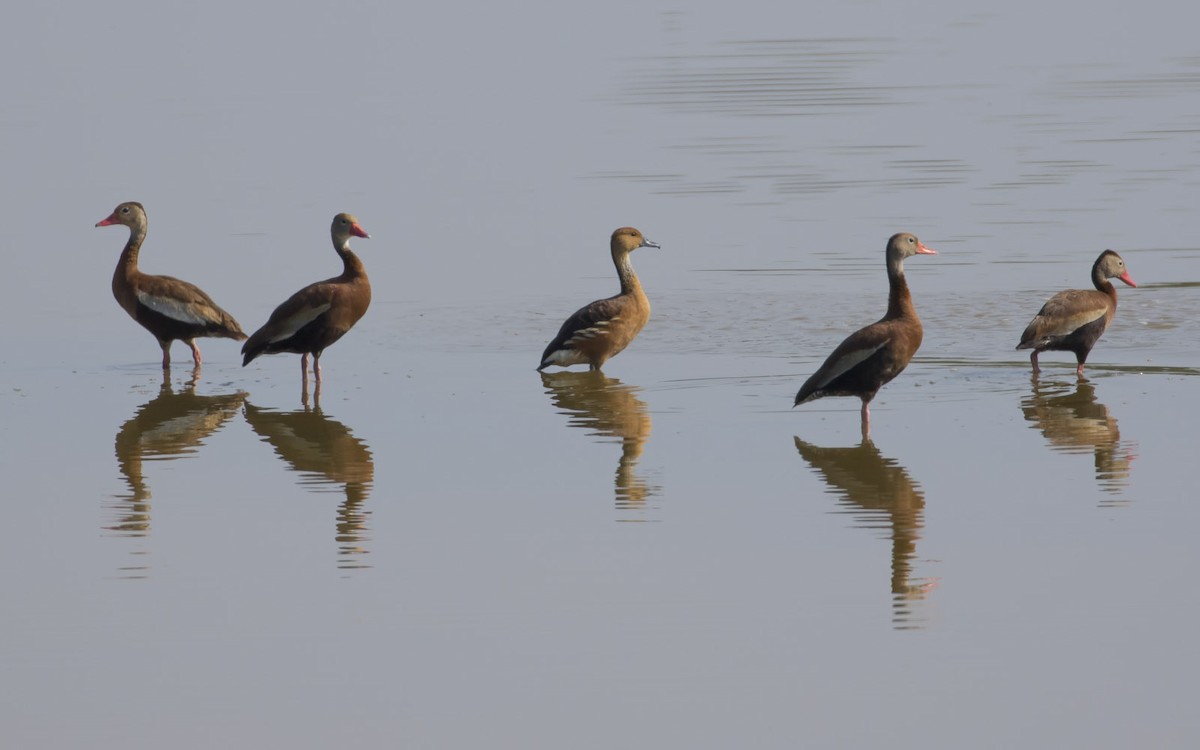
[(1073, 320), (602, 329), (315, 317), (167, 307), (872, 356)]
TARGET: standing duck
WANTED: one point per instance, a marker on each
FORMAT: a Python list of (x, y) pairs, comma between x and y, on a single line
[(165, 306), (321, 313), (870, 357), (1072, 321), (600, 330)]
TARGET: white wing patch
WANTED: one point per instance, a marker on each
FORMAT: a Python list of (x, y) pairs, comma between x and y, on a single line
[(600, 328), (173, 309), (1074, 323), (848, 361), (299, 320)]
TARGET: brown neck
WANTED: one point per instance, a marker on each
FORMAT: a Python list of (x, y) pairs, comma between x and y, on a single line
[(128, 263), (899, 299), (1103, 284), (629, 279), (352, 267)]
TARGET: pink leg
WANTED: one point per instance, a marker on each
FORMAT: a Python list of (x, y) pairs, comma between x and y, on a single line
[(866, 420), (304, 379), (166, 347), (1033, 359), (1079, 370), (317, 367), (195, 352)]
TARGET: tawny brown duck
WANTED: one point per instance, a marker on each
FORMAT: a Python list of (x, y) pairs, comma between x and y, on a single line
[(318, 315), (1073, 321), (599, 331), (165, 306), (872, 356), (606, 407)]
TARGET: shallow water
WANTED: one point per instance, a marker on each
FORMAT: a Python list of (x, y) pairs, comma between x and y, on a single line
[(444, 548)]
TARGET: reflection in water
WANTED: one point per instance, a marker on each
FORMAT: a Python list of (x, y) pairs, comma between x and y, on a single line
[(166, 427), (316, 394), (879, 494), (606, 407), (1071, 418), (325, 452)]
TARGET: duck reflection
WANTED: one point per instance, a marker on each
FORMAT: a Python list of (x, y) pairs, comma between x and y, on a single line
[(878, 493), (316, 392), (1073, 421), (169, 426), (324, 452), (606, 407)]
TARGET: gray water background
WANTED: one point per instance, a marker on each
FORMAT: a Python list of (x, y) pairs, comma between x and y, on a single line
[(452, 551)]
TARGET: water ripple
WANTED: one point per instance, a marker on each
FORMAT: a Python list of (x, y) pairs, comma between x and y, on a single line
[(760, 78)]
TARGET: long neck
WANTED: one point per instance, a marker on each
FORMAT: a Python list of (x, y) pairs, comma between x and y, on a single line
[(128, 263), (629, 279), (352, 267), (1102, 283), (899, 299)]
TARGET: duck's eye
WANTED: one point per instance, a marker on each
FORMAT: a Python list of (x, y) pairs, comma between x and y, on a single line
[(125, 210)]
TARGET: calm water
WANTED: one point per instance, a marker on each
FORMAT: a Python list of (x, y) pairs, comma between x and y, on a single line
[(445, 548)]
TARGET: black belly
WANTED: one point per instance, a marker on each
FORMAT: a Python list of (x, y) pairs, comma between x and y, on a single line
[(1080, 341)]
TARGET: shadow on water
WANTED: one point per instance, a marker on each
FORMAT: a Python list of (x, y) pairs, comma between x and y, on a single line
[(324, 452), (606, 407), (169, 426), (1074, 422), (879, 494)]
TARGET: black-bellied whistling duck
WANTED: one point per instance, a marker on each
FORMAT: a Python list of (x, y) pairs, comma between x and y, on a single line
[(600, 330), (321, 313), (870, 357), (1072, 321), (324, 451), (876, 491), (173, 424), (165, 306), (1074, 421)]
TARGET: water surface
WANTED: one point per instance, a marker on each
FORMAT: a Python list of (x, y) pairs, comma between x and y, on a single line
[(446, 549)]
